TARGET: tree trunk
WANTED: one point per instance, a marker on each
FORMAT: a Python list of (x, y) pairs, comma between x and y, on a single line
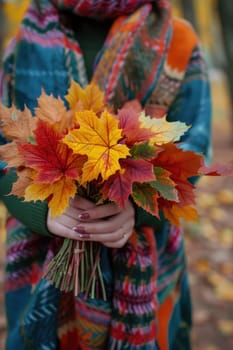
[(225, 10), (189, 12)]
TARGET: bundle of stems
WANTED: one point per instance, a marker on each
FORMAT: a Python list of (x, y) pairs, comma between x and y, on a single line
[(76, 267)]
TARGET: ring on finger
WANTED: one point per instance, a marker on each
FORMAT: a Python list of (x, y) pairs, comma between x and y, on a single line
[(124, 235)]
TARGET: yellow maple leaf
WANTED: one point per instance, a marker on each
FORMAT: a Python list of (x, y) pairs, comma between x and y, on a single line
[(93, 98), (98, 139), (90, 98), (75, 95), (165, 131), (58, 194)]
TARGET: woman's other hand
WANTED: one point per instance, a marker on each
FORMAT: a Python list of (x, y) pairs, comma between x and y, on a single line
[(83, 220)]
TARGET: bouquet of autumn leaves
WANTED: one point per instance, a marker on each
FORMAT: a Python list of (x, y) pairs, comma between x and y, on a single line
[(88, 149)]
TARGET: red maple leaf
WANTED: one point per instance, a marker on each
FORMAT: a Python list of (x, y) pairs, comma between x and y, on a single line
[(182, 165), (217, 170), (119, 186), (50, 158), (132, 131)]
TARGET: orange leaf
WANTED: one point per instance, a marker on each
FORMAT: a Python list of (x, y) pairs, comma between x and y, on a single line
[(23, 181), (174, 213), (58, 194), (9, 154), (53, 111), (181, 164), (17, 125)]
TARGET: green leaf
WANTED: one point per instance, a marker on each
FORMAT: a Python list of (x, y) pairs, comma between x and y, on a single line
[(143, 150), (164, 185), (146, 196)]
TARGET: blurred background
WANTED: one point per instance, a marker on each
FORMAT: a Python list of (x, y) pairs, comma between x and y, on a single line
[(209, 243)]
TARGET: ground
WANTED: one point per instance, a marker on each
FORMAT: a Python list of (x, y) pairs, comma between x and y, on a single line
[(209, 243)]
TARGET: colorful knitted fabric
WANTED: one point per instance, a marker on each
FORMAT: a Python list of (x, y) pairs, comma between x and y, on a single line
[(149, 57), (101, 8)]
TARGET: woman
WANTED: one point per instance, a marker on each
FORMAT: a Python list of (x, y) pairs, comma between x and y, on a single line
[(132, 50)]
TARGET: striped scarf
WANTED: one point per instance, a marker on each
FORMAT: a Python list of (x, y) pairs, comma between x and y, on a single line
[(102, 8), (128, 67)]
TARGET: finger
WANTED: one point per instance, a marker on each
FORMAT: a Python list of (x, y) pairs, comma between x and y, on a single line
[(100, 212), (73, 212), (112, 224), (103, 227), (64, 220), (61, 230), (120, 243), (108, 236), (82, 203), (62, 225)]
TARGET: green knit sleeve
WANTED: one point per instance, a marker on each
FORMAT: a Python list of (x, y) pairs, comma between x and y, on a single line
[(32, 214), (143, 218)]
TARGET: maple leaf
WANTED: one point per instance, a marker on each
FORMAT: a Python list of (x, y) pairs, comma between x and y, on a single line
[(181, 164), (217, 170), (9, 154), (163, 130), (16, 124), (143, 150), (185, 192), (119, 186), (174, 213), (164, 184), (93, 98), (98, 139), (23, 181), (57, 194), (146, 196), (132, 129), (50, 158), (74, 96), (90, 98), (133, 105), (53, 111)]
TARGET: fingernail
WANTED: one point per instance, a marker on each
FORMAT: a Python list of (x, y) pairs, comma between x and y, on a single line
[(84, 236), (84, 216), (79, 229)]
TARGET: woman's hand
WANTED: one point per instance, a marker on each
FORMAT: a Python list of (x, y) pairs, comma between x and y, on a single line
[(83, 220)]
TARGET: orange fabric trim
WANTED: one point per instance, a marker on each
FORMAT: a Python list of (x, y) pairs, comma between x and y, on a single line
[(183, 41), (164, 316)]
